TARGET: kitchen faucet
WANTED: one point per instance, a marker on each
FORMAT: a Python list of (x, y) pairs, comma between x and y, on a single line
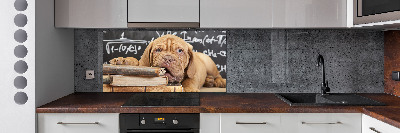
[(324, 85)]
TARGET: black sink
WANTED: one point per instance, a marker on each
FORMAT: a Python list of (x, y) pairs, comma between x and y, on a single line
[(316, 99)]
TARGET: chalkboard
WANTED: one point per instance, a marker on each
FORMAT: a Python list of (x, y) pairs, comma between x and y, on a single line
[(133, 43)]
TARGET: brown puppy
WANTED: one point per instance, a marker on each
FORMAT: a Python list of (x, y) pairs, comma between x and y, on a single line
[(193, 69)]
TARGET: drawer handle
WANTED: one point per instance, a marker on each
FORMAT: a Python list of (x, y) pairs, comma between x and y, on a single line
[(322, 123), (251, 122), (373, 129), (77, 123)]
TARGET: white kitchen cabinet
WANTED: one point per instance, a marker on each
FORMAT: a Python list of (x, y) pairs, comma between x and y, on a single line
[(236, 13), (273, 13), (290, 122), (250, 123), (309, 13), (321, 123), (163, 11), (209, 122), (372, 125), (78, 123), (90, 13)]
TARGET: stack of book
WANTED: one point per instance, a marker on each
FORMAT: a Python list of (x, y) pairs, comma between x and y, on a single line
[(127, 78)]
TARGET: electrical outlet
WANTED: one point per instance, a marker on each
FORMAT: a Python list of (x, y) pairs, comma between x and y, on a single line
[(396, 75), (89, 74)]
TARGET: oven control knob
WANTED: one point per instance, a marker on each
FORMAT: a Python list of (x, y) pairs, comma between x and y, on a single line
[(143, 122), (175, 122)]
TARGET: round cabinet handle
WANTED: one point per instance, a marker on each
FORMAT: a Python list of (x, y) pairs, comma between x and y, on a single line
[(321, 123), (373, 129), (251, 122), (77, 123)]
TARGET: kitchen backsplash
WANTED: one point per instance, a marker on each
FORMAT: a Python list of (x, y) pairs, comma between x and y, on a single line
[(392, 61), (265, 60)]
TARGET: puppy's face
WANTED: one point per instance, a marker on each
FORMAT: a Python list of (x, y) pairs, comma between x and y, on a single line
[(173, 54)]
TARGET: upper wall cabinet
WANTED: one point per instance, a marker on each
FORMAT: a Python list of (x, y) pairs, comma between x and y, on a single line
[(163, 13), (236, 13), (274, 13), (210, 13), (309, 13), (90, 13)]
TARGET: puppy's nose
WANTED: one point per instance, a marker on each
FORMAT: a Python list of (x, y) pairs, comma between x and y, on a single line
[(168, 59)]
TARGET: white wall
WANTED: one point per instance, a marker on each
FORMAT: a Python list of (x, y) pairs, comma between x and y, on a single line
[(54, 56), (50, 61), (15, 118)]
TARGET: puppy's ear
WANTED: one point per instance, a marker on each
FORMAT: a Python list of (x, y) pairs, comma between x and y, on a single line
[(191, 69), (147, 57)]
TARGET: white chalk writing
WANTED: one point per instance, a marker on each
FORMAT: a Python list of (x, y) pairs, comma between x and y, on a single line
[(221, 68), (219, 39), (211, 53), (131, 48)]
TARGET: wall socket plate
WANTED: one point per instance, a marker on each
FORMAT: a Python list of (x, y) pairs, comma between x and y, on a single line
[(89, 74), (396, 75)]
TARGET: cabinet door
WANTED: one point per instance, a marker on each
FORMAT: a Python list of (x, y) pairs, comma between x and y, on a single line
[(78, 123), (236, 13), (90, 13), (209, 122), (372, 125), (309, 13), (321, 123), (250, 123), (163, 11)]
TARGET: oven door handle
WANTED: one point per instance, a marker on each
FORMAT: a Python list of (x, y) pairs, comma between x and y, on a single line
[(162, 131)]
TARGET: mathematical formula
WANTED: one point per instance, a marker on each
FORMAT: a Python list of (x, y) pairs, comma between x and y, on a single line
[(129, 46), (122, 48)]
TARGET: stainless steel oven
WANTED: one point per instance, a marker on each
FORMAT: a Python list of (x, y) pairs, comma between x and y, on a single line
[(374, 11), (159, 123)]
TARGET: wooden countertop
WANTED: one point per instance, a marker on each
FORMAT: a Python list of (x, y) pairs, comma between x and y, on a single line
[(219, 103)]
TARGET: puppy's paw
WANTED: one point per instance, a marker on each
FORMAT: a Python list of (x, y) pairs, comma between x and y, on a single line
[(209, 82), (117, 61), (190, 89), (130, 61), (113, 61), (220, 82)]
